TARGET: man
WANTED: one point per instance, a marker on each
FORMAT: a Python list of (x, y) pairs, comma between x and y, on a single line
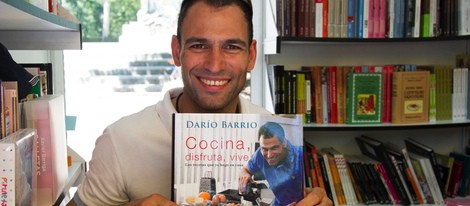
[(214, 47), (279, 161)]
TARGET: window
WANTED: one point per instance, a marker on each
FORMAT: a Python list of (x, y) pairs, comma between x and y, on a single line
[(118, 75)]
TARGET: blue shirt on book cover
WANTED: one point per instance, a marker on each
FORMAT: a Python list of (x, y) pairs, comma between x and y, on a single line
[(285, 178)]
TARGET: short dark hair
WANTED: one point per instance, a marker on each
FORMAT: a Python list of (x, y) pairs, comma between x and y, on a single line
[(245, 6), (271, 129)]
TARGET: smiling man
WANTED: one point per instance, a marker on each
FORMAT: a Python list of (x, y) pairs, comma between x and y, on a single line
[(279, 161), (132, 159)]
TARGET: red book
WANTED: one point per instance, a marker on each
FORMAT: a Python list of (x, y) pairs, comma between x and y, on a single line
[(455, 178), (333, 95)]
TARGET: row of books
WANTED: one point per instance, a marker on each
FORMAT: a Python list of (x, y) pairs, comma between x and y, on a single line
[(372, 93), (372, 18), (33, 142), (387, 174), (10, 112)]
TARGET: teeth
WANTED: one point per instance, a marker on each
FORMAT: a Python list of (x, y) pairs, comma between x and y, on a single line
[(214, 82)]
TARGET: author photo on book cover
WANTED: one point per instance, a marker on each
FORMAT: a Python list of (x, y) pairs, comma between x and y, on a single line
[(215, 50), (280, 163)]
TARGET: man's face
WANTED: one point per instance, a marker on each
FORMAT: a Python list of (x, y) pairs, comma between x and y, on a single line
[(215, 55), (273, 150)]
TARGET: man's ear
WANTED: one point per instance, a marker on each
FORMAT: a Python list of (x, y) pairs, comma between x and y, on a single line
[(252, 56), (175, 50)]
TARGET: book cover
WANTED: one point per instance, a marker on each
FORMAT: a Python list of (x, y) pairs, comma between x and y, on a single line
[(430, 178), (423, 183), (46, 114), (416, 147), (16, 155), (455, 178), (413, 177), (376, 150), (47, 81), (211, 151), (462, 185), (364, 98), (328, 177), (410, 97)]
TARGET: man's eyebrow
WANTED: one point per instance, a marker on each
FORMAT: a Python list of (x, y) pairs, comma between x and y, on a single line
[(194, 39), (228, 41), (237, 41)]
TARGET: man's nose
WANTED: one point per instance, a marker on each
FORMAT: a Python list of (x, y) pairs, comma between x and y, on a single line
[(215, 59)]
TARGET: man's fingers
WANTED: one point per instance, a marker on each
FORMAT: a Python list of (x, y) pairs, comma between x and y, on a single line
[(315, 196)]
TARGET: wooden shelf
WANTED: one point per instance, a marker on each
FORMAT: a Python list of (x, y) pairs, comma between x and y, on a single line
[(27, 27)]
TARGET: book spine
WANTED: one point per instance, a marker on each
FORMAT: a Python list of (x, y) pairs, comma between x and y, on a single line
[(350, 19)]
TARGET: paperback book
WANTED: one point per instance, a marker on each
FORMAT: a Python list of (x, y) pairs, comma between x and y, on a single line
[(211, 152), (364, 99)]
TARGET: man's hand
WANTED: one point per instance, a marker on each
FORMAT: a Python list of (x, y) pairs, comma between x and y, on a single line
[(243, 179), (314, 196), (152, 200)]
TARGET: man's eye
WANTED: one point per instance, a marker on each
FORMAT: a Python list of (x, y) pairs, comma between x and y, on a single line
[(232, 47), (198, 46)]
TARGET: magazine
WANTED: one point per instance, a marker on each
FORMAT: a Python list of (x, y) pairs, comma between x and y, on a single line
[(210, 151)]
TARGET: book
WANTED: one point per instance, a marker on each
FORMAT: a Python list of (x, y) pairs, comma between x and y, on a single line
[(46, 114), (364, 98), (11, 105), (328, 176), (410, 97), (430, 177), (16, 154), (279, 92), (210, 151), (316, 164), (455, 178), (413, 177), (46, 76), (376, 150), (462, 185), (416, 147), (343, 173)]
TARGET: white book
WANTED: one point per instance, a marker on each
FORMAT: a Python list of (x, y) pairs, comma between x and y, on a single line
[(344, 19), (46, 114), (332, 18), (417, 18), (404, 151), (16, 168), (319, 19), (464, 19), (330, 177), (365, 19), (430, 178), (308, 99), (433, 18), (464, 98)]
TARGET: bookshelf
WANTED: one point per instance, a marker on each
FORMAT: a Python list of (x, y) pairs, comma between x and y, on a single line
[(26, 28), (295, 52)]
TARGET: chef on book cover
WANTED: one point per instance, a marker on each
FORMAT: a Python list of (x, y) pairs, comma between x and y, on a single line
[(244, 159)]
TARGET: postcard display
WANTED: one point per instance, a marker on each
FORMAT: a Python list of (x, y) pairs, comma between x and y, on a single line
[(211, 149)]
